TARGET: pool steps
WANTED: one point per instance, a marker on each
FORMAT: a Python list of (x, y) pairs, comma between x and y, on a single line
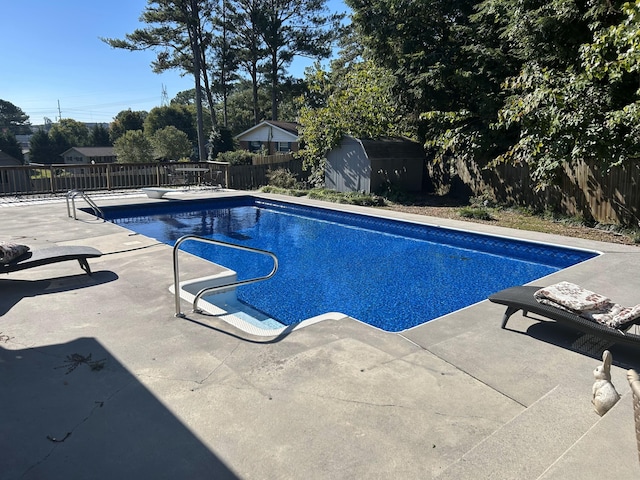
[(226, 306)]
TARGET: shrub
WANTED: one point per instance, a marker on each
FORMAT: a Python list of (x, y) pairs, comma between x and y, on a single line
[(237, 157), (479, 213), (352, 198), (282, 178)]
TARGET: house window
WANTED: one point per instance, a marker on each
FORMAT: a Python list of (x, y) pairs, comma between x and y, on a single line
[(284, 146), (255, 146)]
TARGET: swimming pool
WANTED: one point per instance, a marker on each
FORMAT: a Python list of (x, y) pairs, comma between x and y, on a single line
[(391, 274)]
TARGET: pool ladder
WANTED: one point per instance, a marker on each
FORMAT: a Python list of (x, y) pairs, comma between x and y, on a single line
[(72, 194), (204, 291)]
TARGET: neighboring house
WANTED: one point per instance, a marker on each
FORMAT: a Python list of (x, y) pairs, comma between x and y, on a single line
[(271, 137), (12, 180), (7, 160), (369, 165), (82, 155)]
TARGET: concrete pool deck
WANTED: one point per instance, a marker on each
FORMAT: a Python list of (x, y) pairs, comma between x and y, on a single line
[(100, 380)]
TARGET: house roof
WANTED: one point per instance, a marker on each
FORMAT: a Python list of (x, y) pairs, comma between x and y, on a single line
[(289, 127), (6, 159), (92, 151)]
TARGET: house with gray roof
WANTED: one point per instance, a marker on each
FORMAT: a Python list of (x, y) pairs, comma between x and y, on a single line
[(8, 160), (89, 155)]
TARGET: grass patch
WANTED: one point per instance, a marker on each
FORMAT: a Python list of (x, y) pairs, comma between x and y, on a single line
[(477, 213), (292, 192), (350, 198)]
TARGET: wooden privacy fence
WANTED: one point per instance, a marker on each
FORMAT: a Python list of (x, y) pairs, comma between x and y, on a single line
[(583, 189), (256, 176), (49, 179), (271, 159)]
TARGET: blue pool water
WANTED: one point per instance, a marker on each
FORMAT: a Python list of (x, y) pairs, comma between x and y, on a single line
[(390, 274)]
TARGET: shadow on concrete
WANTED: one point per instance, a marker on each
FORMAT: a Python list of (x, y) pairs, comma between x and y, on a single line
[(73, 411), (624, 356), (15, 290)]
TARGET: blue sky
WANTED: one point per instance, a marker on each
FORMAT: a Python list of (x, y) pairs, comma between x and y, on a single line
[(51, 52)]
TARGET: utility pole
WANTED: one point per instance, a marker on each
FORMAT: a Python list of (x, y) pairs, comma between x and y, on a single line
[(59, 111)]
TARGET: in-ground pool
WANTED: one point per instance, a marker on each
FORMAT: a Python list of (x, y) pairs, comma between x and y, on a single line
[(388, 273)]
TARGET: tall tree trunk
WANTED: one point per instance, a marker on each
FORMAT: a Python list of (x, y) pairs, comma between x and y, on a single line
[(197, 70), (274, 85)]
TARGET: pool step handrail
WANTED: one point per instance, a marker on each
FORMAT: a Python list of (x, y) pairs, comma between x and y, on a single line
[(72, 194), (204, 291)]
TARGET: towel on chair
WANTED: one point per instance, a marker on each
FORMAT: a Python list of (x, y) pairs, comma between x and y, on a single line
[(614, 315), (588, 304), (570, 296), (10, 251)]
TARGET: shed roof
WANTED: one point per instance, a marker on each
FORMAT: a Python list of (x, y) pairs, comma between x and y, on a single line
[(392, 147)]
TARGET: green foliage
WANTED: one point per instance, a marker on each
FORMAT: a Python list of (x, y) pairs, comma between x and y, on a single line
[(282, 178), (133, 147), (478, 213), (99, 136), (292, 192), (359, 103), (351, 198), (13, 119), (544, 83), (563, 110), (238, 157), (170, 144), (124, 121), (71, 132), (41, 148), (9, 145), (220, 141), (181, 117), (293, 27)]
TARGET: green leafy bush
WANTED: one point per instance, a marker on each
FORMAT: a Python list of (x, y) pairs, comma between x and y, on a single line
[(281, 177), (479, 213), (351, 198), (237, 157)]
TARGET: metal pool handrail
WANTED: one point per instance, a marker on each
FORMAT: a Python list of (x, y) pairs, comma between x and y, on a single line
[(72, 194), (176, 270)]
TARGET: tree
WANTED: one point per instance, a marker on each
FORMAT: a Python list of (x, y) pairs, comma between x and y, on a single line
[(41, 148), (181, 117), (169, 143), (294, 27), (13, 119), (99, 136), (244, 17), (240, 117), (360, 103), (175, 28), (133, 147), (9, 145), (440, 84), (224, 55), (124, 121), (75, 134), (561, 107)]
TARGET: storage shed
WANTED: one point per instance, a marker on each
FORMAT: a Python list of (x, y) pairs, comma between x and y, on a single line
[(368, 165)]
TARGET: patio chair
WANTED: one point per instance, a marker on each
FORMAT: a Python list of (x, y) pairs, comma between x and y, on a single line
[(522, 298), (634, 383), (48, 255)]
